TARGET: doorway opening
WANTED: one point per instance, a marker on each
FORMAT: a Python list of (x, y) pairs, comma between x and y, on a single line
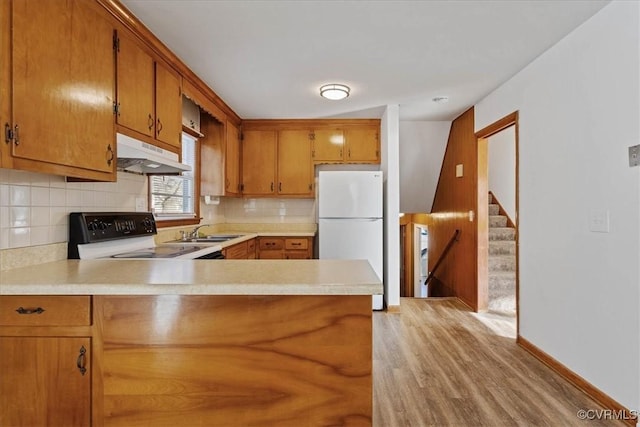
[(497, 207), (420, 260)]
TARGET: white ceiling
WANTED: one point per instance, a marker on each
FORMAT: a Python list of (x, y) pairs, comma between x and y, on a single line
[(267, 59)]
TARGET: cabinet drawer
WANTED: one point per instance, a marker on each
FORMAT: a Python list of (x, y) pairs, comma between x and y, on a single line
[(238, 251), (297, 244), (45, 310), (271, 244), (271, 254), (297, 255)]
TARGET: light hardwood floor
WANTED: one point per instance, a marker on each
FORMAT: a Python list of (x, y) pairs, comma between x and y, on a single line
[(436, 363)]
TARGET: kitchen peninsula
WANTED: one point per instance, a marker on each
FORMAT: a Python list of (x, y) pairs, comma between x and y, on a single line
[(184, 342)]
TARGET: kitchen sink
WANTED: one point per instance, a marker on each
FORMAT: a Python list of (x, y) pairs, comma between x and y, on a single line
[(218, 238), (215, 238)]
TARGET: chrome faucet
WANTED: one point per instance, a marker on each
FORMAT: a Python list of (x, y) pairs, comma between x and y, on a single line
[(194, 233)]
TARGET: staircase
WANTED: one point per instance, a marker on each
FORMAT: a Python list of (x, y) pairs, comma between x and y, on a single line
[(502, 262)]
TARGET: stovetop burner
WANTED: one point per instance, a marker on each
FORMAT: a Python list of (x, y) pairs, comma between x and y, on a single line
[(160, 252)]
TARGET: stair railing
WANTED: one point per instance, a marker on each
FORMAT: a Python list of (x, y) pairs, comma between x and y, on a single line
[(454, 238)]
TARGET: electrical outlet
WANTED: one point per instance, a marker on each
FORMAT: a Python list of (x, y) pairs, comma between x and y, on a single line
[(141, 204), (599, 221), (634, 156)]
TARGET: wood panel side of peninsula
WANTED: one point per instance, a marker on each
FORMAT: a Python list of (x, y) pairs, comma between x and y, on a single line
[(290, 360)]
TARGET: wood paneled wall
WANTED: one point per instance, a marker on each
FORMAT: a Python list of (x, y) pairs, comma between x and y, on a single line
[(455, 207)]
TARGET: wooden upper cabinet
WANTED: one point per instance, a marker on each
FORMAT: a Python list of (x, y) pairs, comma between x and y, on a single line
[(259, 151), (328, 145), (61, 84), (232, 160), (135, 74), (295, 169), (149, 98), (212, 150), (348, 144), (362, 144), (168, 105)]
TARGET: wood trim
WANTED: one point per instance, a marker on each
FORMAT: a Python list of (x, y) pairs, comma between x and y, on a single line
[(501, 211), (393, 309), (137, 28), (580, 383), (496, 127), (276, 124), (482, 224), (444, 156)]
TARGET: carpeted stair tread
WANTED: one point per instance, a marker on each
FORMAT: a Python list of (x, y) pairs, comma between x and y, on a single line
[(502, 247), (497, 221), (494, 209), (502, 263), (502, 233)]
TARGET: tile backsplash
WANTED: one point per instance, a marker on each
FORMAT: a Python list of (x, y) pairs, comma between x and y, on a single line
[(269, 210), (34, 207)]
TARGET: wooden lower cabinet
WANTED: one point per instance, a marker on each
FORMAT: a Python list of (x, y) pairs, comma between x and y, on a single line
[(45, 361), (242, 250), (174, 360), (45, 381), (285, 247)]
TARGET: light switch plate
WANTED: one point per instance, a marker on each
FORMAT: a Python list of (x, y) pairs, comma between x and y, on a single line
[(599, 221), (459, 171), (634, 156)]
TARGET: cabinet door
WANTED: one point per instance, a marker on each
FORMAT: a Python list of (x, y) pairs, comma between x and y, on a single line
[(363, 145), (63, 84), (212, 149), (328, 145), (232, 160), (43, 383), (259, 162), (168, 106), (295, 170), (135, 86)]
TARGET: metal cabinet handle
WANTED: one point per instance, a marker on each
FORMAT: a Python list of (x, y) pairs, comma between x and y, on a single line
[(111, 155), (8, 135), (150, 121), (82, 360), (159, 127), (272, 186), (16, 135), (38, 310), (296, 244), (280, 187), (349, 153)]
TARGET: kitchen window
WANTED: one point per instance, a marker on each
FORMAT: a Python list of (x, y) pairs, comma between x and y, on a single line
[(174, 197)]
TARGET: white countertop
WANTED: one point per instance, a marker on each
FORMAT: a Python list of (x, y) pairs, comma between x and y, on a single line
[(193, 277)]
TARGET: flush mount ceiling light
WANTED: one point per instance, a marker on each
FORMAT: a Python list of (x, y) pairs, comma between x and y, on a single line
[(334, 91), (440, 99)]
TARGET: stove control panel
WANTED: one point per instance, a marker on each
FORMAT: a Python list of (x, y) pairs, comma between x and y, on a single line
[(97, 227)]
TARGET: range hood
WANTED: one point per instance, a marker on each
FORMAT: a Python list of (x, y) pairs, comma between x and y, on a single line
[(140, 157)]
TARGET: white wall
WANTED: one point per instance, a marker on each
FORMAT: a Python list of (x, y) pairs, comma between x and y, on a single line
[(422, 146), (389, 164), (579, 110), (502, 169)]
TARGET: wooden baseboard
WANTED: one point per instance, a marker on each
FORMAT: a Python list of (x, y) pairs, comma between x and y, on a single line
[(393, 309), (466, 304), (580, 383)]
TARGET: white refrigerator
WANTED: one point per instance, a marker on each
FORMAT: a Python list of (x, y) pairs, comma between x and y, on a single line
[(350, 218)]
